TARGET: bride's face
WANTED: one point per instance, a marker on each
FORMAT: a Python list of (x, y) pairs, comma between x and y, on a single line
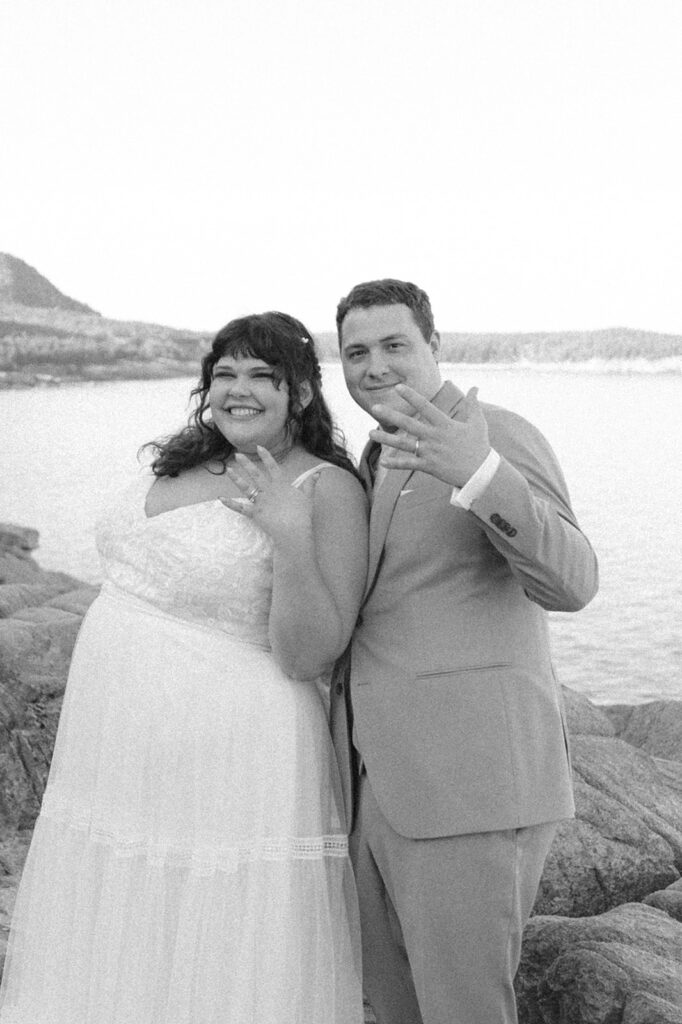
[(248, 406)]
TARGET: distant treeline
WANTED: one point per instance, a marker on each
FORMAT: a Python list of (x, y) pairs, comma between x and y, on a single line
[(545, 347), (38, 345)]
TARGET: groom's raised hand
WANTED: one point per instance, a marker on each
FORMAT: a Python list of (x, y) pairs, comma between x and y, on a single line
[(429, 441)]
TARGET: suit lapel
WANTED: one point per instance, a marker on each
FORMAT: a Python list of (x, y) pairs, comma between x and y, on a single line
[(367, 470), (383, 504), (367, 462), (448, 398)]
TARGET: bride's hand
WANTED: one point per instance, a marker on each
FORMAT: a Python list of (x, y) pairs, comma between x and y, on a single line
[(282, 511)]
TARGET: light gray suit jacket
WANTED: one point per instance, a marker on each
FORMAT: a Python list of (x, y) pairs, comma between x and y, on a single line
[(457, 711)]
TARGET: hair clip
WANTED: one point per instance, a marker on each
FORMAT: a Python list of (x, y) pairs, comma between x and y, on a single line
[(304, 339)]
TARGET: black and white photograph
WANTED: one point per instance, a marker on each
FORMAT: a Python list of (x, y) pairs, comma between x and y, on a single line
[(340, 512)]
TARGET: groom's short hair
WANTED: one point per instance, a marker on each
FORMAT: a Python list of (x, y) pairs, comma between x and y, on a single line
[(389, 292)]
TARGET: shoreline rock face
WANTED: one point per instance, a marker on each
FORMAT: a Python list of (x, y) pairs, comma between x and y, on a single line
[(626, 839), (655, 727), (17, 542), (40, 615), (621, 966), (605, 943)]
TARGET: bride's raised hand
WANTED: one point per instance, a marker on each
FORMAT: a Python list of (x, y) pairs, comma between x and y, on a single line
[(282, 511)]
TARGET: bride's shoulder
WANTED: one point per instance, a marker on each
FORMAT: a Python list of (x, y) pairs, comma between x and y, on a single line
[(336, 485), (312, 465)]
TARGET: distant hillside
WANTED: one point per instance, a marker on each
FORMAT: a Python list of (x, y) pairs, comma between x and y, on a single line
[(23, 285), (41, 346), (48, 338)]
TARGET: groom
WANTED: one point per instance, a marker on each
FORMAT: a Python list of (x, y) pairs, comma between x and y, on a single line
[(452, 703)]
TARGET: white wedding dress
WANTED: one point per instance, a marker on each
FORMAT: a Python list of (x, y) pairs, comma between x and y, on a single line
[(189, 865)]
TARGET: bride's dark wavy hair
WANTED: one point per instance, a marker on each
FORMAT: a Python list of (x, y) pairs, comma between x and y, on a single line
[(285, 344)]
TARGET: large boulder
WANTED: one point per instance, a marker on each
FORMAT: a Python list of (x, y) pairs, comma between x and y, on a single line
[(583, 717), (604, 857), (669, 900), (626, 839), (34, 664), (655, 726), (18, 540), (13, 850), (624, 965), (647, 1008), (76, 601), (48, 585), (630, 776), (15, 569), (40, 615), (44, 614), (671, 771)]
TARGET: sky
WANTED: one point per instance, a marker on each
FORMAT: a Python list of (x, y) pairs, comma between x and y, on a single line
[(187, 161)]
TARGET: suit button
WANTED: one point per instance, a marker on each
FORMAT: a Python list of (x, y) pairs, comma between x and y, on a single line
[(503, 525)]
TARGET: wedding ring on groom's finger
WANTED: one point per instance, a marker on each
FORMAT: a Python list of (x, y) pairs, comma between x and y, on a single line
[(252, 494), (416, 448)]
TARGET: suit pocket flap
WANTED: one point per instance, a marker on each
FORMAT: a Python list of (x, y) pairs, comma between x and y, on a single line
[(443, 673)]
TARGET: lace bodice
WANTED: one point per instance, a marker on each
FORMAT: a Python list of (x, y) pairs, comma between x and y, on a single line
[(204, 562)]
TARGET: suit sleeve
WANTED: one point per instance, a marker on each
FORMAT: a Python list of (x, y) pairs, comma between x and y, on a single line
[(526, 514)]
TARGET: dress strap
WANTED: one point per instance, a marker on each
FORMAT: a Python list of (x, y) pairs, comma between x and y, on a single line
[(309, 472)]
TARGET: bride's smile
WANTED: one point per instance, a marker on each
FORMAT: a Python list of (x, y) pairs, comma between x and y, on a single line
[(250, 403)]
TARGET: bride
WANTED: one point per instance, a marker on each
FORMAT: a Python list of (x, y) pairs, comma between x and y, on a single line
[(189, 865)]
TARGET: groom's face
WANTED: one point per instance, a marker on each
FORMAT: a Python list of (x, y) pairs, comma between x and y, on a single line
[(382, 346)]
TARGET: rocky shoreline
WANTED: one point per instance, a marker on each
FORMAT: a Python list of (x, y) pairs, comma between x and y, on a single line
[(605, 943)]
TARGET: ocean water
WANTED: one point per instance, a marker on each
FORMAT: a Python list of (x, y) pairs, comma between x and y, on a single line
[(617, 435)]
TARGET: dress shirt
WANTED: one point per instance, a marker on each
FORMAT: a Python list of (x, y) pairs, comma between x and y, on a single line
[(477, 483)]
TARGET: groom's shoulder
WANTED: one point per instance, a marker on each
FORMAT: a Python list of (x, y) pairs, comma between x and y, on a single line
[(507, 422), (520, 441)]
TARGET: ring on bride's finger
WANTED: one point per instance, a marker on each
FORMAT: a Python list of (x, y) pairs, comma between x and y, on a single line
[(416, 448), (253, 493)]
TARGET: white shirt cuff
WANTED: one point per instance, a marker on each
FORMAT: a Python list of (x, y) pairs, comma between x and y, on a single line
[(465, 496)]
